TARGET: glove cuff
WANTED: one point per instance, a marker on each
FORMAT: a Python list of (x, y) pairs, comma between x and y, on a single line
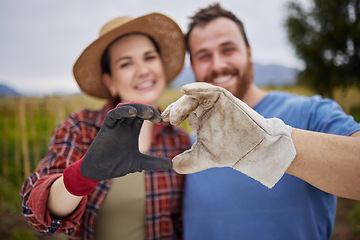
[(270, 160), (75, 182)]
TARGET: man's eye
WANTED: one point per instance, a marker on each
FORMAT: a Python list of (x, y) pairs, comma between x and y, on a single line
[(204, 57), (228, 50)]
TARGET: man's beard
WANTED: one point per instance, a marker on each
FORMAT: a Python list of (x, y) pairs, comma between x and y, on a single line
[(244, 81)]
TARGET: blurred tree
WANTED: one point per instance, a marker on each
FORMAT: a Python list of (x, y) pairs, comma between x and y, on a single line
[(326, 36)]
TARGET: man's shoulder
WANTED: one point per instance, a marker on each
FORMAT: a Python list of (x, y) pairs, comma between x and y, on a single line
[(280, 98)]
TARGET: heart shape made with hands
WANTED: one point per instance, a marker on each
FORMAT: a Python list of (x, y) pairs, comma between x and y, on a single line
[(230, 134)]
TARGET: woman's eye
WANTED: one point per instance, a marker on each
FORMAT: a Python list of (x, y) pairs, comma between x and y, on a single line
[(123, 65), (150, 57)]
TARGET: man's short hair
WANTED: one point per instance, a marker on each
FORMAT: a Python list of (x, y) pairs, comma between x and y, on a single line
[(206, 15)]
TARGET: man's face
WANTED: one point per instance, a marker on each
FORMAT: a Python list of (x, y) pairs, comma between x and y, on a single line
[(219, 56)]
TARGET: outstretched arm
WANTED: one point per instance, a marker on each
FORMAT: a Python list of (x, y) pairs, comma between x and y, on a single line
[(113, 153), (328, 162), (230, 133)]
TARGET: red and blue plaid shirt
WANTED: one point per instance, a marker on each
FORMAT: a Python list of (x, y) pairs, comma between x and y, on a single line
[(70, 140)]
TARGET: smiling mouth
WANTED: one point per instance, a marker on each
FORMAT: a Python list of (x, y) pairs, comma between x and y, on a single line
[(145, 85), (222, 79)]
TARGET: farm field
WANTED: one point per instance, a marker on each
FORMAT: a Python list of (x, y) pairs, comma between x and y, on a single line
[(26, 125)]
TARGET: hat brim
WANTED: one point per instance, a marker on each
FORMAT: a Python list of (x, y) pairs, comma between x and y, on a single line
[(167, 34)]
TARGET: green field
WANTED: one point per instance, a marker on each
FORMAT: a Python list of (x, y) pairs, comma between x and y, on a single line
[(26, 126)]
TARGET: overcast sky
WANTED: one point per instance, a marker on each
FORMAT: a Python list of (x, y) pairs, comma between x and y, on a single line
[(41, 39)]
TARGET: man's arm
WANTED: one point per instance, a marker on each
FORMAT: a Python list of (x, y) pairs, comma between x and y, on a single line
[(230, 133), (328, 162)]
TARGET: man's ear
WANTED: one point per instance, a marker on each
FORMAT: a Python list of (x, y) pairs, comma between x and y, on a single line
[(249, 52), (106, 78), (191, 62)]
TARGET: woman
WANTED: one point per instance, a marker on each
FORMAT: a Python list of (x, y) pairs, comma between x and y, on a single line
[(82, 187)]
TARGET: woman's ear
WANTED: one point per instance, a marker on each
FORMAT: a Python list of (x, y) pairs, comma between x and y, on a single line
[(106, 78)]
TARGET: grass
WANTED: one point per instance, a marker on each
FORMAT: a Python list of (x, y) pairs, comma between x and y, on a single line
[(34, 119)]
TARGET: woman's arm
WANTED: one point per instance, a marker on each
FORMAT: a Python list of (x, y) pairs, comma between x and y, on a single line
[(60, 202)]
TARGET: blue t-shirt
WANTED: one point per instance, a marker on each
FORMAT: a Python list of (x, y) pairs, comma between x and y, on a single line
[(222, 203)]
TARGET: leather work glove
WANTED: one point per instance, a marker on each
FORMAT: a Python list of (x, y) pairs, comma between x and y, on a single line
[(115, 150), (230, 134)]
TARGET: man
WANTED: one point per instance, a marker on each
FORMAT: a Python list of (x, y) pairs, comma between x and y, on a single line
[(221, 203)]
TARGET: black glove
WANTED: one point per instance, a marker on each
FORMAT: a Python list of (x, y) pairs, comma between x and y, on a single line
[(115, 150)]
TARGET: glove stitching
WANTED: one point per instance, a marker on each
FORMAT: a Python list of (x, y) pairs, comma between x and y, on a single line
[(207, 150), (251, 150), (197, 134), (247, 113)]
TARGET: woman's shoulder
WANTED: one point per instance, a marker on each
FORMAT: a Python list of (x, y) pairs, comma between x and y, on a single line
[(86, 116)]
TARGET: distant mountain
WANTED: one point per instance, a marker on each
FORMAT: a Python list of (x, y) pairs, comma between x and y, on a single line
[(6, 91), (274, 75), (264, 75)]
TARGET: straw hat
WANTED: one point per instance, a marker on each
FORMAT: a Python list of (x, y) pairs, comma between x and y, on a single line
[(169, 37)]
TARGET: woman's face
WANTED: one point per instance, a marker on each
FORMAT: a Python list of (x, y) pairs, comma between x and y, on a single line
[(137, 70)]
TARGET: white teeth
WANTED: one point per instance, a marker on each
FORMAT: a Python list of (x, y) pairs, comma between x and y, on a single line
[(222, 79), (145, 85)]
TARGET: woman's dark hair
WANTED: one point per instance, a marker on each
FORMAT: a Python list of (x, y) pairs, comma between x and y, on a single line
[(206, 15)]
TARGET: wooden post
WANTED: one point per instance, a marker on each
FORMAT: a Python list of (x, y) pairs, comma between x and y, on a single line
[(24, 140), (60, 113), (33, 132), (6, 143), (17, 142), (50, 119)]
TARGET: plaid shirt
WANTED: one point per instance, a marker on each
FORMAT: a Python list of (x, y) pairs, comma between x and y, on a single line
[(71, 139)]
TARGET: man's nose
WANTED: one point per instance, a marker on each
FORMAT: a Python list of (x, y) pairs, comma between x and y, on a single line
[(218, 63)]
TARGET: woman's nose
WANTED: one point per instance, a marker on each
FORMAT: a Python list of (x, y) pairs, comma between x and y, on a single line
[(142, 69)]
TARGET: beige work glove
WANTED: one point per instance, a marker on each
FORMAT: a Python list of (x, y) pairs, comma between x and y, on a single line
[(230, 134)]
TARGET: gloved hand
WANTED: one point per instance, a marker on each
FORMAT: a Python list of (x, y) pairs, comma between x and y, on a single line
[(114, 151), (230, 134)]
